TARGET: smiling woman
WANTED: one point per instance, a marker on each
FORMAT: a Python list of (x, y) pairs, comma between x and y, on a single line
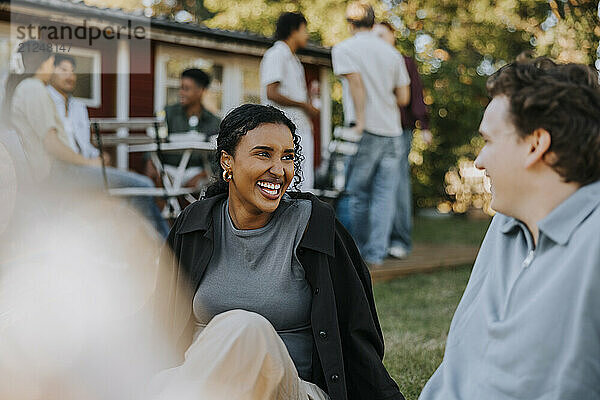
[(280, 303), (259, 154)]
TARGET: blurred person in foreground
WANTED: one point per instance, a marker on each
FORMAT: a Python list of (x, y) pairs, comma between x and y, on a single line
[(527, 325), (413, 116), (283, 306), (378, 83), (189, 114), (76, 282), (50, 159), (283, 84), (74, 116)]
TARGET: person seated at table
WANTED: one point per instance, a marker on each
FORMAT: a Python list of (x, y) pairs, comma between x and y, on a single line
[(282, 304), (189, 114), (48, 146)]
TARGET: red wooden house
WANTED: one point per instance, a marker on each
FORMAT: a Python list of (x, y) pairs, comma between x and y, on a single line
[(124, 78)]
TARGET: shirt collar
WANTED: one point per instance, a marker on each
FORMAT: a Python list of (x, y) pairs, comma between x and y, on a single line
[(319, 234), (57, 96), (510, 224), (202, 116), (560, 224), (283, 44)]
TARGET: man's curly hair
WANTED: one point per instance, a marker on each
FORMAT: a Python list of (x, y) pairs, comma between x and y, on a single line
[(563, 99)]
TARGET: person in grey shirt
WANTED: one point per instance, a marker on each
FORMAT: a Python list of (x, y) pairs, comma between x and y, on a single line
[(255, 269), (528, 325)]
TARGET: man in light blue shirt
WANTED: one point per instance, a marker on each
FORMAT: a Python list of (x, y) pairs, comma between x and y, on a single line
[(74, 117), (528, 325)]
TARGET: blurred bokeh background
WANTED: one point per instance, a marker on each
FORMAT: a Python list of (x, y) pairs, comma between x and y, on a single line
[(457, 44)]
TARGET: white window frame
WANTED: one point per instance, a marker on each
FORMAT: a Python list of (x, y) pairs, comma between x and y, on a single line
[(96, 56), (233, 65), (5, 33)]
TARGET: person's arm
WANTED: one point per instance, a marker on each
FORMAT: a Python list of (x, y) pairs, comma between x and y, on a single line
[(402, 96), (91, 150), (359, 97), (62, 152), (274, 95), (403, 82), (417, 107)]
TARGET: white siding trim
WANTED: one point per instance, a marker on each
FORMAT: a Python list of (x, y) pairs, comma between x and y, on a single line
[(122, 100), (325, 89)]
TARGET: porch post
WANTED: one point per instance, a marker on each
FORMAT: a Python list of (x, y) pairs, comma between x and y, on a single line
[(122, 100), (325, 87)]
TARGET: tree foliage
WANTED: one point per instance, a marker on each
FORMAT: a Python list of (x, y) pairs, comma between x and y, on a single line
[(457, 44)]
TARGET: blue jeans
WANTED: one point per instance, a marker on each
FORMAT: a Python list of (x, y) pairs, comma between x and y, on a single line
[(146, 205), (342, 207), (371, 188), (90, 178), (402, 228)]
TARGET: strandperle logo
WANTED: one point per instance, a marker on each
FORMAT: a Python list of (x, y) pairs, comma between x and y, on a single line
[(84, 32)]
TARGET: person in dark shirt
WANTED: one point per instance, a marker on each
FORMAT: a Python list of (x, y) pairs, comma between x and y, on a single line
[(180, 116), (413, 116), (189, 114)]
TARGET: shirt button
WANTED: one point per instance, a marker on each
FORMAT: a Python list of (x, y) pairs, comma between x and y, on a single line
[(300, 252), (335, 378), (317, 290), (323, 334)]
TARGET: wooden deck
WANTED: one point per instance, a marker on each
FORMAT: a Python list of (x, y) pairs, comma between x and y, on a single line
[(425, 258)]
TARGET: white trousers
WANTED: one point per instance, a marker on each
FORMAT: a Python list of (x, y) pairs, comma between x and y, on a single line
[(238, 356)]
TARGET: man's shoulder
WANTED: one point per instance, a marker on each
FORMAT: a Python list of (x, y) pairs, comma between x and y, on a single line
[(499, 225), (590, 211), (211, 120), (32, 90), (31, 82), (345, 44), (173, 108), (370, 43), (76, 103), (28, 85), (276, 49), (211, 117), (389, 50)]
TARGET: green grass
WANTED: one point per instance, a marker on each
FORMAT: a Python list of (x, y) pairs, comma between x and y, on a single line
[(458, 230), (415, 311), (415, 314)]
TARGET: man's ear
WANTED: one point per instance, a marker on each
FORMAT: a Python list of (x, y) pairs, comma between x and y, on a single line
[(226, 160), (539, 144)]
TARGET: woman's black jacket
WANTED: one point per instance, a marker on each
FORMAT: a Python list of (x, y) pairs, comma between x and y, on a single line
[(348, 352)]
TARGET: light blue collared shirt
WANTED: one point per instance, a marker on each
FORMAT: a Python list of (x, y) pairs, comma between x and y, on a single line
[(76, 123), (528, 324)]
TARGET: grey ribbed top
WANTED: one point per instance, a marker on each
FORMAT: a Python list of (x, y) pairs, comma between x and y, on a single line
[(257, 270)]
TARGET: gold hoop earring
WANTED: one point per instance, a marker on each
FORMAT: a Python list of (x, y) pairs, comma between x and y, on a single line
[(227, 176)]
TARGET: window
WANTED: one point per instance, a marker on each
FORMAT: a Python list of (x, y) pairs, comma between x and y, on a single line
[(171, 63), (88, 76)]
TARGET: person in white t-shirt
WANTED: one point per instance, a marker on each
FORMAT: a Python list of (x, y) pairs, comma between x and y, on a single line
[(377, 81), (283, 85)]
